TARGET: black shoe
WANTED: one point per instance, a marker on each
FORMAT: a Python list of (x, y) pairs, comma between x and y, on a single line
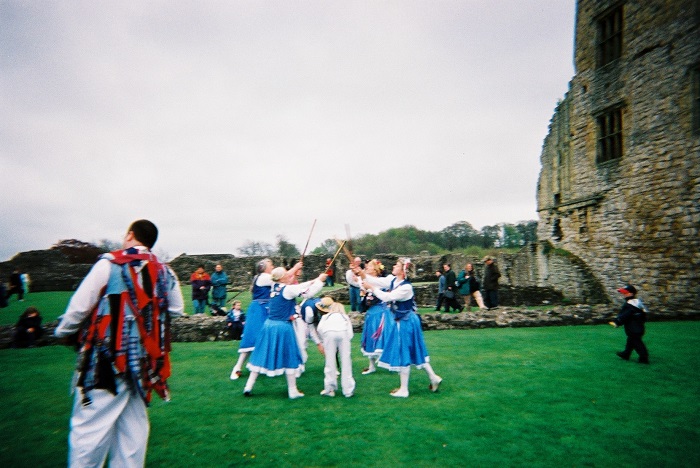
[(622, 355), (643, 360), (247, 394)]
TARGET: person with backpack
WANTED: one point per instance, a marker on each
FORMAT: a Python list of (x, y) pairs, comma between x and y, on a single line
[(120, 318), (632, 316), (469, 287)]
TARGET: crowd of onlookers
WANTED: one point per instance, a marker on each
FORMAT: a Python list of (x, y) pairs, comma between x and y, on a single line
[(28, 328)]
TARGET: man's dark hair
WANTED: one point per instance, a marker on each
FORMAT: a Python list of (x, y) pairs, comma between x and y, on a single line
[(145, 232)]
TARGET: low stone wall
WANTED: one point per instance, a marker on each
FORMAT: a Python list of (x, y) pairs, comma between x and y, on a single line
[(201, 328)]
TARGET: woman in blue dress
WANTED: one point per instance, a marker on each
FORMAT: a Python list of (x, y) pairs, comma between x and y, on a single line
[(276, 349), (257, 312), (376, 315), (403, 343)]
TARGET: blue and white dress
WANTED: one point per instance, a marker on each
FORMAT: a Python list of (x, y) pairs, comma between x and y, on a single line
[(402, 337), (257, 312), (376, 318), (276, 349)]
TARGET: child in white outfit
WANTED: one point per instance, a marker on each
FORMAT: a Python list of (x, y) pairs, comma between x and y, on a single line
[(335, 329)]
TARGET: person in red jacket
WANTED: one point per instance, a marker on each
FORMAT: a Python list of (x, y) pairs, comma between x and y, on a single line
[(201, 284)]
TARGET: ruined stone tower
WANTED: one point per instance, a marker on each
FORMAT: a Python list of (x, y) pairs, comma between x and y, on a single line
[(620, 180)]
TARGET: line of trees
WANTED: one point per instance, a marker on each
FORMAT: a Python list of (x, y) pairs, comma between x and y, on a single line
[(410, 240)]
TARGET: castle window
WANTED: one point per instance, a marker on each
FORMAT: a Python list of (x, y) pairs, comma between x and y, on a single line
[(557, 232), (583, 221), (609, 135), (610, 37)]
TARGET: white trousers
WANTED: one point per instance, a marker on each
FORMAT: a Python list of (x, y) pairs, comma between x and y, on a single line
[(114, 425), (338, 342), (301, 330)]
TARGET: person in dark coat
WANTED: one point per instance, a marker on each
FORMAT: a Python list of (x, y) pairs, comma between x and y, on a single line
[(28, 329), (16, 285), (451, 290), (201, 283), (632, 316), (490, 283)]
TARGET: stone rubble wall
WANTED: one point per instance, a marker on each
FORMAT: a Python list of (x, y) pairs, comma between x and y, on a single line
[(204, 328)]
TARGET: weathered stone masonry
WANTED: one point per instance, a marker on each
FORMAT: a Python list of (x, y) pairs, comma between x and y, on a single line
[(635, 217)]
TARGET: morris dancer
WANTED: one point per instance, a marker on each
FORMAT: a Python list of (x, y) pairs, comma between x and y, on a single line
[(353, 285), (276, 349), (305, 326), (403, 337), (127, 298), (335, 328), (377, 313), (257, 312)]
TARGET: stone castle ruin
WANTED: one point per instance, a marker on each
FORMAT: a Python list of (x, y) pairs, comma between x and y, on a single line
[(619, 186)]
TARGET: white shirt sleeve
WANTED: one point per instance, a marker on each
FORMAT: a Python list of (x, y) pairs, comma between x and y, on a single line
[(321, 328), (84, 299), (307, 289), (176, 304), (382, 282), (264, 279), (314, 334), (351, 279), (402, 293)]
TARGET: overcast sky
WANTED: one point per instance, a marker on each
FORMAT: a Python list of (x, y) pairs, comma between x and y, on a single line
[(233, 121)]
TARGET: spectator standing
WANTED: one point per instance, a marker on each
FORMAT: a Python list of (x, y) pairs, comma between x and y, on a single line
[(219, 281), (201, 283), (28, 329), (354, 285), (3, 295), (451, 291), (469, 287), (441, 290), (330, 273), (26, 281), (491, 275), (16, 286)]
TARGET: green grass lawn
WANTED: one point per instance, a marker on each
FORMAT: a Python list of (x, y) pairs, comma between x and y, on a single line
[(555, 396)]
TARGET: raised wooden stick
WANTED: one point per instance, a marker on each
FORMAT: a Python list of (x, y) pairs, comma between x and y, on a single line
[(337, 252), (346, 251), (349, 238), (307, 241)]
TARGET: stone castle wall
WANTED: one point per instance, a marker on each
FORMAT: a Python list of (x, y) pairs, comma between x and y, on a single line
[(633, 219)]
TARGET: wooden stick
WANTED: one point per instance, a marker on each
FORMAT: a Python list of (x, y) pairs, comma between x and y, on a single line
[(349, 238), (347, 252), (337, 252), (307, 241)]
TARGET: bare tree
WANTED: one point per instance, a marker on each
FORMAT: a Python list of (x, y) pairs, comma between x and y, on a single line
[(253, 249)]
